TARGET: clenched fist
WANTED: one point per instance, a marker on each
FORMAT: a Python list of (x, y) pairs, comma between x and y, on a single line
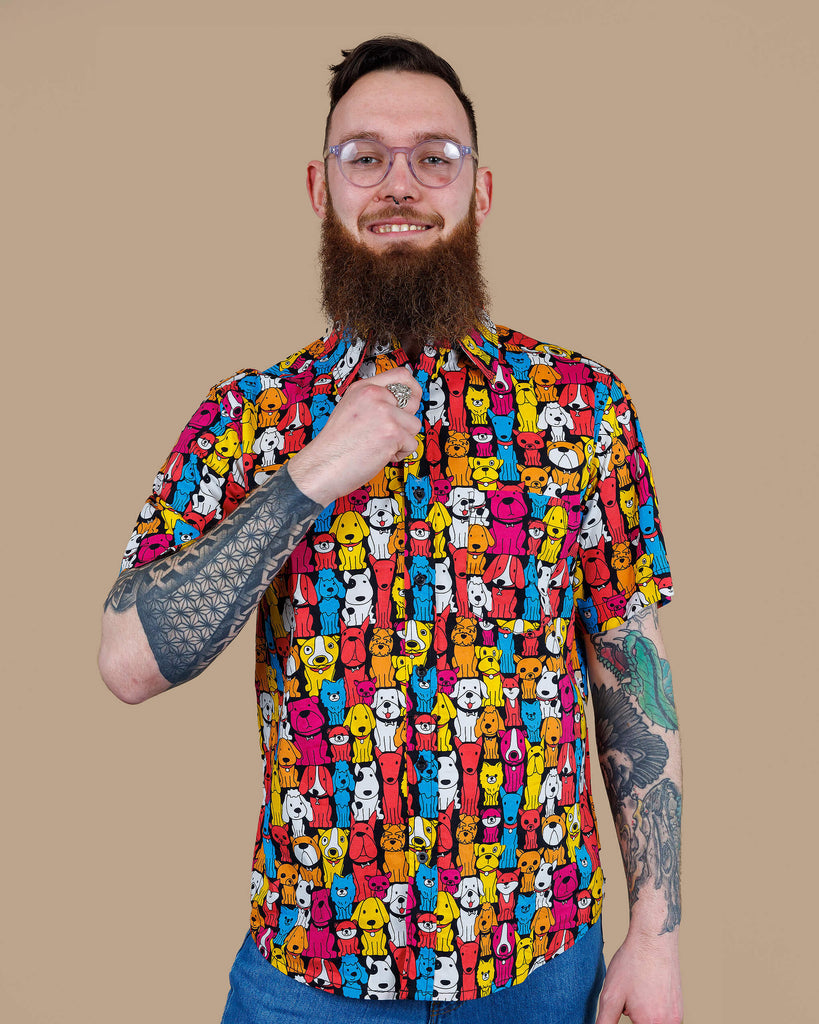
[(365, 431)]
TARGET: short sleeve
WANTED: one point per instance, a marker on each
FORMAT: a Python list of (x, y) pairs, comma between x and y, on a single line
[(622, 563), (214, 464)]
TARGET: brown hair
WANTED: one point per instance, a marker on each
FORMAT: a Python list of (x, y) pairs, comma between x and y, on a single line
[(394, 53)]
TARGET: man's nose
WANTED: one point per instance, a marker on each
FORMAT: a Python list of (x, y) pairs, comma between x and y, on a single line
[(399, 185)]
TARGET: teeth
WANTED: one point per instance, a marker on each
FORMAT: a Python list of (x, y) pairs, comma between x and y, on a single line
[(382, 229)]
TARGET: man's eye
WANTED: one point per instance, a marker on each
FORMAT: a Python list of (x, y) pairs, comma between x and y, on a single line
[(366, 160)]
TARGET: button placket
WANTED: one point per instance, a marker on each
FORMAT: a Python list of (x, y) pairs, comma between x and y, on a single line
[(418, 654)]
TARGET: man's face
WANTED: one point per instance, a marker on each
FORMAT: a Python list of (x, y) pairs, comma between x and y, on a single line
[(399, 108)]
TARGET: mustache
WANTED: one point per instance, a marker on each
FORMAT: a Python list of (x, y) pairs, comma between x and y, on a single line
[(404, 212)]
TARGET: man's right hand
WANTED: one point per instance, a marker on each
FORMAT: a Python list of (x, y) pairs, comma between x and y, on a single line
[(364, 433)]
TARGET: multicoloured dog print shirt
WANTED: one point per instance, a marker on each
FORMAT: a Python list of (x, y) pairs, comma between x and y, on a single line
[(427, 830)]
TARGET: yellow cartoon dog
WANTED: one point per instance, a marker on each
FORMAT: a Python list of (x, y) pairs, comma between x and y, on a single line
[(371, 916), (349, 529)]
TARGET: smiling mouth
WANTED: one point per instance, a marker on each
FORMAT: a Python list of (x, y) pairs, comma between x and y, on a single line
[(385, 229)]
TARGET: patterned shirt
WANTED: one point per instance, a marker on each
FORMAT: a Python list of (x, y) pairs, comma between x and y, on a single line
[(427, 830)]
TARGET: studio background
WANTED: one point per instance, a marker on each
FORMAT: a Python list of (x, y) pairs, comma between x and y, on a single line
[(655, 207)]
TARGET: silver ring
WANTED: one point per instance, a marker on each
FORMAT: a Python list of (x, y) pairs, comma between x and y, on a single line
[(401, 393)]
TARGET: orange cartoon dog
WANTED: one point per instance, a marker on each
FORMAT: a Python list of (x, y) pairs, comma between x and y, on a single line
[(464, 657), (457, 450)]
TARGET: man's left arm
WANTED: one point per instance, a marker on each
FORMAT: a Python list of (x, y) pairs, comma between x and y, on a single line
[(639, 750)]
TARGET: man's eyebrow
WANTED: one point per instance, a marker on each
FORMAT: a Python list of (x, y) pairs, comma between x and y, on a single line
[(415, 137)]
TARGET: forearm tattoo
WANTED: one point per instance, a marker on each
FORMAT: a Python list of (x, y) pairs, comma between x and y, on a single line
[(194, 602), (645, 801)]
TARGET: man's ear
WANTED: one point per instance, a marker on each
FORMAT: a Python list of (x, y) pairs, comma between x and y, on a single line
[(483, 194), (317, 188)]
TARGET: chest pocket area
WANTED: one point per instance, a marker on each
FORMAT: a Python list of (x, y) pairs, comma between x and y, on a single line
[(501, 544)]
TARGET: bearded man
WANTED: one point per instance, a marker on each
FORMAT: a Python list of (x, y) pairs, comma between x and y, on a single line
[(447, 530)]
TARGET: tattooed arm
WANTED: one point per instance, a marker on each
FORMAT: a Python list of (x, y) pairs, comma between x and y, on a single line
[(165, 622), (639, 750)]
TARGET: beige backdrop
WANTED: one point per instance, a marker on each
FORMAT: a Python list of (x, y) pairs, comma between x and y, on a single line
[(655, 173)]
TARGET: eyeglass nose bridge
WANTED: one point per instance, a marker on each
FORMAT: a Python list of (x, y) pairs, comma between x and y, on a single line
[(407, 151)]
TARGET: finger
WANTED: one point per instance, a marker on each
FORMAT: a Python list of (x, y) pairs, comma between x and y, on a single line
[(397, 375), (407, 419), (406, 447), (394, 373), (382, 381), (404, 454), (609, 1008), (408, 406)]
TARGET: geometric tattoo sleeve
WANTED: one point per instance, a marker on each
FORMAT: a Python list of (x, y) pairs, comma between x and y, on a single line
[(194, 602)]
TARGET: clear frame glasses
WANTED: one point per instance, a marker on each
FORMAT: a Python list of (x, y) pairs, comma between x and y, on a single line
[(433, 163)]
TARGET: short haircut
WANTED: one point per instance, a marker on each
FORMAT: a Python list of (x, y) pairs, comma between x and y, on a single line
[(393, 53)]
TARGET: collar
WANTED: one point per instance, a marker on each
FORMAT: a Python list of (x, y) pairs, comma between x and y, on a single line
[(343, 351)]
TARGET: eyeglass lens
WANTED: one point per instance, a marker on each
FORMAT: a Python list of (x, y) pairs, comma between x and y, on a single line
[(366, 162)]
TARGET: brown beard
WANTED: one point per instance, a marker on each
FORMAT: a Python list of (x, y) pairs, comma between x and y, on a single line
[(414, 294)]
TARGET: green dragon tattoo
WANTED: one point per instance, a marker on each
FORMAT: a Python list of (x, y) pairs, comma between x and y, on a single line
[(634, 662)]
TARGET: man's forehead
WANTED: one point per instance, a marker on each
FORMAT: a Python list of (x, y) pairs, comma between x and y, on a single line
[(412, 137), (385, 104)]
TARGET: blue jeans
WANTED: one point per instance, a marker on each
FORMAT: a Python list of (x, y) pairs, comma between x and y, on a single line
[(563, 991)]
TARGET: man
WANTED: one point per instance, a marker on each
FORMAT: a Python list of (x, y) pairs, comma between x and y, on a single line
[(449, 530)]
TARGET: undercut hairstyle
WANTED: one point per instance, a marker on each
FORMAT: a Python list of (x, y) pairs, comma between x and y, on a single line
[(394, 53)]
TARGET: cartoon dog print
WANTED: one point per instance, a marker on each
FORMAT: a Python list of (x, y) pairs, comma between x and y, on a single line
[(479, 597), (388, 708), (487, 859), (444, 587), (468, 506), (490, 674), (527, 399), (549, 791), (422, 834), (491, 777), (436, 403), (469, 896), (468, 697), (360, 721), (513, 755), (266, 709), (464, 635), (555, 419), (267, 445), (485, 471), (446, 977), (318, 656), (371, 916), (487, 726), (358, 598), (350, 528), (456, 448), (317, 786), (417, 640), (295, 810), (476, 401), (380, 514), (447, 911), (444, 712), (366, 800)]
